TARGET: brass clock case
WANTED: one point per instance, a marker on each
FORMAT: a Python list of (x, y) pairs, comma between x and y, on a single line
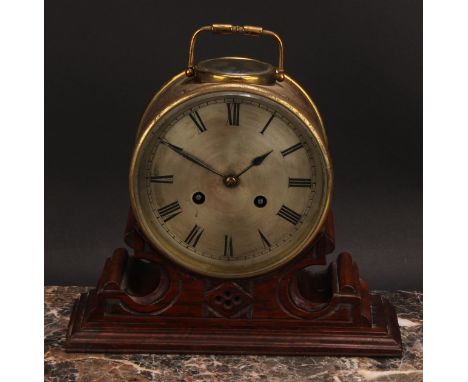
[(190, 86)]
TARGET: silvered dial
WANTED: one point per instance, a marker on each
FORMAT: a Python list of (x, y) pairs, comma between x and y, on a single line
[(229, 185)]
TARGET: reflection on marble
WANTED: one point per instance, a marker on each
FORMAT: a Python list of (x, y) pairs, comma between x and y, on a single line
[(65, 367)]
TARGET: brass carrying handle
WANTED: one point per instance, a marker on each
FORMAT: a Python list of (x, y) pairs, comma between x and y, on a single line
[(231, 29)]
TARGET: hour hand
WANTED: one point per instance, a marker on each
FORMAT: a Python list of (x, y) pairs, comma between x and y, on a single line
[(189, 156), (257, 161)]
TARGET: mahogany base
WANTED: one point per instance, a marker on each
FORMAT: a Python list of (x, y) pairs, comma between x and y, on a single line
[(145, 303), (382, 338), (290, 312)]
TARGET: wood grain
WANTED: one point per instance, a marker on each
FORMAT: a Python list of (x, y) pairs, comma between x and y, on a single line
[(145, 303)]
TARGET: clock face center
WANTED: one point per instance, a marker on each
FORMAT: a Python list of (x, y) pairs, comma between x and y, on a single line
[(231, 181)]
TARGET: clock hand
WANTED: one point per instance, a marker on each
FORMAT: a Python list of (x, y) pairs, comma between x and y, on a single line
[(255, 162), (190, 157)]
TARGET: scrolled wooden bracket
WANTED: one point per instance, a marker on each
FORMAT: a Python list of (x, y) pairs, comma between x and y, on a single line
[(112, 276)]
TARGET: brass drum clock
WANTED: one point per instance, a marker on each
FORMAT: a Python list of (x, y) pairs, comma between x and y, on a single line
[(230, 185)]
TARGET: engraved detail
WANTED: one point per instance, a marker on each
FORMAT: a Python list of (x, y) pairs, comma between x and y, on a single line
[(195, 117), (162, 179), (170, 211), (289, 215), (229, 300), (194, 236), (265, 241), (268, 123), (292, 149), (233, 113), (228, 250), (300, 182)]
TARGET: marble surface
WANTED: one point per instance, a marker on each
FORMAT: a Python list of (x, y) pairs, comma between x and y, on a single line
[(65, 367)]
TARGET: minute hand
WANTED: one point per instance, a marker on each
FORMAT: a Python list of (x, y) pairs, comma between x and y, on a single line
[(190, 157), (255, 162)]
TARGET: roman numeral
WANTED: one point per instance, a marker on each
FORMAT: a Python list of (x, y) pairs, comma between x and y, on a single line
[(289, 215), (265, 241), (162, 179), (233, 113), (194, 236), (198, 121), (268, 123), (228, 252), (170, 211), (300, 182), (290, 150)]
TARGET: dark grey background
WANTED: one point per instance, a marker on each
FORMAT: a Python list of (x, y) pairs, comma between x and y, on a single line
[(361, 61)]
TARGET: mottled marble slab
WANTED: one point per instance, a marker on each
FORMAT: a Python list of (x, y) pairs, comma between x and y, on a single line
[(64, 367)]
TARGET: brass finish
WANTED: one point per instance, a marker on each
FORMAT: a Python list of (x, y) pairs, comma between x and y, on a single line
[(180, 85), (231, 181), (235, 69), (230, 29), (181, 90), (190, 84)]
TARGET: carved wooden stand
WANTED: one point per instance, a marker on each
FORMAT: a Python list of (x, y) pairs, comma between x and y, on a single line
[(144, 303)]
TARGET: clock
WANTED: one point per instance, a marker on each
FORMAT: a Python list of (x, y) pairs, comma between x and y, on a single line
[(230, 185)]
